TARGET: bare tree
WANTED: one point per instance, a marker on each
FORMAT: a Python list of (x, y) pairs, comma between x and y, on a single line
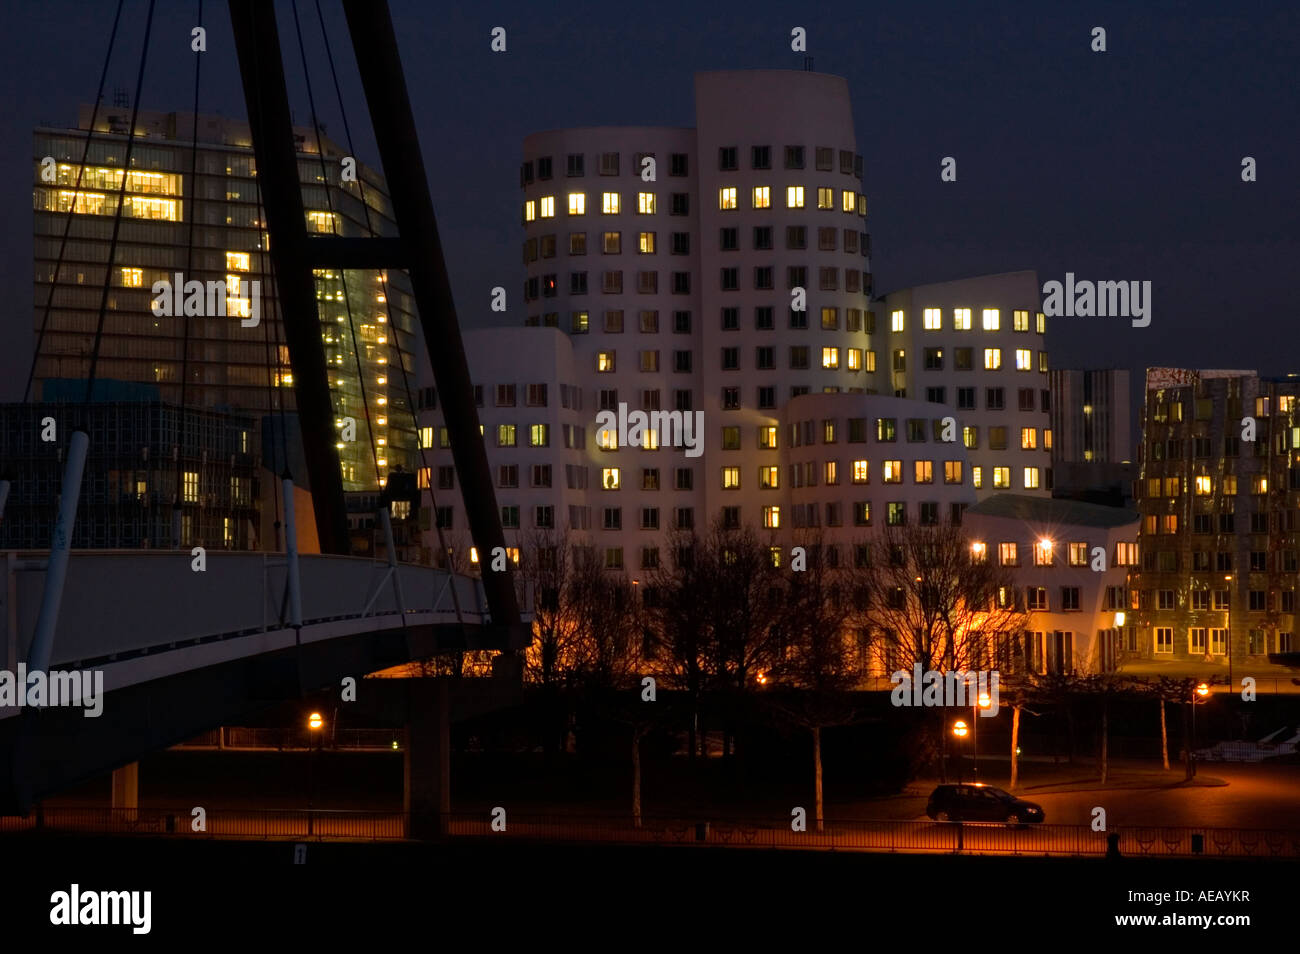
[(936, 602), (817, 665)]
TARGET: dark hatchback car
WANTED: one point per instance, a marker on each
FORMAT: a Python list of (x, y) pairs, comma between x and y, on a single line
[(979, 802)]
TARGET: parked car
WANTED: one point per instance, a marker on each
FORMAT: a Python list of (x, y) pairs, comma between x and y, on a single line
[(976, 801)]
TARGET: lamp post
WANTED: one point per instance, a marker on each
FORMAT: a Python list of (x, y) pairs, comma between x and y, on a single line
[(314, 724), (959, 730), (983, 702), (1202, 690)]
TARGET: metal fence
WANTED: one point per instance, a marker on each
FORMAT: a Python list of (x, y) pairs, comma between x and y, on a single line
[(282, 738), (875, 836)]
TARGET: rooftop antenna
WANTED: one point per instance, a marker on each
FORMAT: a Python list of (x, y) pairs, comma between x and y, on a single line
[(807, 64)]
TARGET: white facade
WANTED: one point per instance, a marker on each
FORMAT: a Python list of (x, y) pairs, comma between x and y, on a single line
[(1070, 561), (677, 292)]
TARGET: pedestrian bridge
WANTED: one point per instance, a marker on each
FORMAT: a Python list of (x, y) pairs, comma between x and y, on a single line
[(184, 650)]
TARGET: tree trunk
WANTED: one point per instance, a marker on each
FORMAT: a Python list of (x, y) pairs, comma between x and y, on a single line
[(636, 777), (1164, 737), (1187, 743), (1015, 746), (1105, 739), (817, 773)]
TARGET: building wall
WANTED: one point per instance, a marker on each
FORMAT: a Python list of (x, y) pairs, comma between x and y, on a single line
[(1090, 416), (1052, 556), (955, 364), (130, 478), (1220, 533)]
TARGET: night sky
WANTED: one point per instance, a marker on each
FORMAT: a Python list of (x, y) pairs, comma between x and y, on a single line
[(1122, 165)]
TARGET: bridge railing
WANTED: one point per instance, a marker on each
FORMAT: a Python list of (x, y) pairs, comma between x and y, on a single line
[(119, 602), (836, 835)]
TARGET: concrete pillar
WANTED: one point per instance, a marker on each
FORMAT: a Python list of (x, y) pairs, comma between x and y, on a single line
[(126, 791), (426, 796)]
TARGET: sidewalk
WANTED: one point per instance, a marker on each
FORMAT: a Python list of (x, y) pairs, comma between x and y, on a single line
[(1040, 776)]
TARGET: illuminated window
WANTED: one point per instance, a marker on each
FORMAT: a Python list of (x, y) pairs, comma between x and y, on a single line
[(961, 319), (607, 438), (772, 518), (505, 435), (1042, 323), (647, 243), (992, 359), (832, 473), (731, 478), (853, 359), (1020, 320), (1230, 485), (848, 200), (769, 478), (530, 210), (727, 198), (650, 439), (1204, 485), (321, 221), (237, 261), (762, 197), (132, 277), (577, 203), (896, 321), (1031, 478), (892, 471), (1024, 359), (870, 360), (923, 472), (1259, 484), (1126, 554), (426, 434), (1078, 552), (190, 487), (1008, 554), (548, 207), (605, 361), (645, 203), (767, 436), (861, 472), (1028, 438), (979, 552), (609, 203), (992, 319), (932, 319), (609, 478), (539, 435), (1002, 477), (952, 472), (794, 197), (977, 477), (825, 198), (830, 357)]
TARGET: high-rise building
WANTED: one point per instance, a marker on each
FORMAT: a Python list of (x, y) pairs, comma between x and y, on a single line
[(1219, 495), (197, 213)]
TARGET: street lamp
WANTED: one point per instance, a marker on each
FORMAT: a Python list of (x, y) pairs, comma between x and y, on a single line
[(959, 730), (314, 723), (983, 702), (1202, 690)]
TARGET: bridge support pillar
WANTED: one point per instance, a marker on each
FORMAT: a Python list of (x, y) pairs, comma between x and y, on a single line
[(426, 797), (126, 790)]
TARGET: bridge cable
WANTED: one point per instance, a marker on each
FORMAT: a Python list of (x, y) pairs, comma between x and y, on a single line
[(121, 203), (185, 323), (72, 205), (334, 229), (401, 361)]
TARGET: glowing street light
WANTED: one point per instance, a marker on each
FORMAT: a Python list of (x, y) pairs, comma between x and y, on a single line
[(959, 729), (314, 721), (1203, 690)]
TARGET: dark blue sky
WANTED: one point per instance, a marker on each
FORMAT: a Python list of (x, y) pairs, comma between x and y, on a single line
[(1122, 165)]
